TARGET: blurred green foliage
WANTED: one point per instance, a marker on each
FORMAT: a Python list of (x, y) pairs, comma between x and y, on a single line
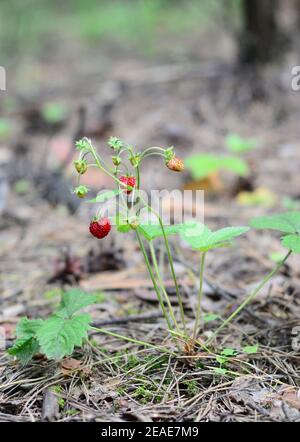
[(31, 27)]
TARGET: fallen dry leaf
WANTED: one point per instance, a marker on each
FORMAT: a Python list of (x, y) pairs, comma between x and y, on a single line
[(70, 365)]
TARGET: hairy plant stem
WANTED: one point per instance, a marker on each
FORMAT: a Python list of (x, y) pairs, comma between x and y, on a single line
[(138, 175), (249, 298), (173, 272), (200, 293), (156, 268), (105, 170), (156, 288), (169, 254)]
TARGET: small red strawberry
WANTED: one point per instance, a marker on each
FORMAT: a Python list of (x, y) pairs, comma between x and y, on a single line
[(128, 181), (100, 228)]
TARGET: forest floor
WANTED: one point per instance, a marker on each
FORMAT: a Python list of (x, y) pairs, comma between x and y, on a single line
[(46, 248)]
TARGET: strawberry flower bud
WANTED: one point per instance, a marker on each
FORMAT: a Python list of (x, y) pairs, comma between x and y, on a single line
[(81, 166), (115, 143), (81, 191), (83, 144), (116, 160), (135, 160)]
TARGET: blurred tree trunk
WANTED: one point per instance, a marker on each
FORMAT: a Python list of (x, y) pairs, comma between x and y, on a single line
[(260, 40), (297, 6)]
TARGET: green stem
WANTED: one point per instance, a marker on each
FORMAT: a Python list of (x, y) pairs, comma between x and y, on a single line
[(105, 170), (153, 153), (156, 268), (172, 271), (249, 298), (134, 341), (156, 288), (149, 149), (138, 176), (170, 262), (200, 293)]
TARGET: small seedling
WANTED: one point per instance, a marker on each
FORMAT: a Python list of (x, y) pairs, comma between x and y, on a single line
[(54, 113), (202, 166), (5, 128), (236, 144), (250, 349), (191, 387), (56, 336)]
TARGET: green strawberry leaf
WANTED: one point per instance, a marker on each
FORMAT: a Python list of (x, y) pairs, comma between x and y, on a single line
[(225, 235), (24, 349), (122, 224), (152, 231), (58, 336), (74, 300), (229, 352), (291, 242), (208, 317), (250, 349), (26, 345), (221, 359), (105, 196), (203, 165), (123, 228), (27, 328), (203, 239), (288, 222)]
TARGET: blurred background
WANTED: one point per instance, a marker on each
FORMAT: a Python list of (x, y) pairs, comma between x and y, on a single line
[(212, 78)]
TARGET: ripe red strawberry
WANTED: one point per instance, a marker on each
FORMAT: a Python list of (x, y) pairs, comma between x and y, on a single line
[(128, 181), (100, 228)]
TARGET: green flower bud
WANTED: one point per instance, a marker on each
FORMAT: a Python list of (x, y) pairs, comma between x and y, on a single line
[(83, 144), (81, 191), (135, 160), (116, 160), (115, 143), (81, 166)]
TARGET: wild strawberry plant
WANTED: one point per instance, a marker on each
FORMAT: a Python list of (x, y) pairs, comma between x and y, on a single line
[(57, 335)]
